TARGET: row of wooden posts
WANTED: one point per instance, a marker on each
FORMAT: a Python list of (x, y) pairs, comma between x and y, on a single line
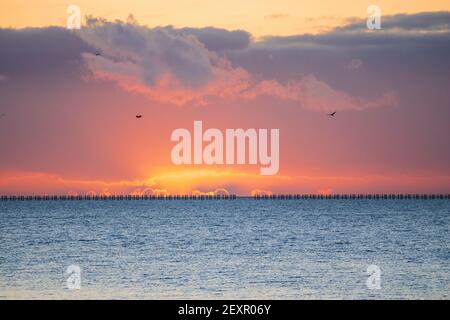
[(354, 196), (117, 197), (223, 197)]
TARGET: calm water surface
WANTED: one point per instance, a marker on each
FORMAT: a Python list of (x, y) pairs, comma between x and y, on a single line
[(273, 249)]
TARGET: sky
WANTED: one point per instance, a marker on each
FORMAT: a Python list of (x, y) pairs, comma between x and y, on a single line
[(67, 113), (259, 17)]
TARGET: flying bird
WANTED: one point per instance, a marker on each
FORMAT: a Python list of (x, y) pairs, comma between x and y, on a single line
[(98, 54), (332, 114), (139, 116)]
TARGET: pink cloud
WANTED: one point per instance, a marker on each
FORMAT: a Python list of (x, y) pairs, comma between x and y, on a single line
[(317, 95), (169, 66), (216, 192)]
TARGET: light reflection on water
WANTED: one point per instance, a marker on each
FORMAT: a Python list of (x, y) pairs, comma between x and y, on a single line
[(234, 249)]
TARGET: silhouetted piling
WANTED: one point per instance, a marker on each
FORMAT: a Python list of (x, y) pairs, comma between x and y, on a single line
[(225, 197)]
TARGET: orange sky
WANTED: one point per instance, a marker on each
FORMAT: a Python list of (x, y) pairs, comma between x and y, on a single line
[(70, 125)]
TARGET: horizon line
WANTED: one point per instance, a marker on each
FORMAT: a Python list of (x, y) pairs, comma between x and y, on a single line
[(350, 196)]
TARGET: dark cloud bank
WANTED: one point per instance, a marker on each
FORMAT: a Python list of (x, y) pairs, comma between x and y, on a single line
[(419, 42)]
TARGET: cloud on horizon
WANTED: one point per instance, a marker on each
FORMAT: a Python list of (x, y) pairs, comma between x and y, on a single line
[(67, 116), (39, 183)]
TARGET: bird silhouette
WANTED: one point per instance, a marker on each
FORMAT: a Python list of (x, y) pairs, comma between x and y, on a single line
[(332, 114), (98, 54), (138, 116)]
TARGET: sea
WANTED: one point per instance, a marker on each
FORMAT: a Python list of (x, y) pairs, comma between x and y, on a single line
[(225, 249)]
